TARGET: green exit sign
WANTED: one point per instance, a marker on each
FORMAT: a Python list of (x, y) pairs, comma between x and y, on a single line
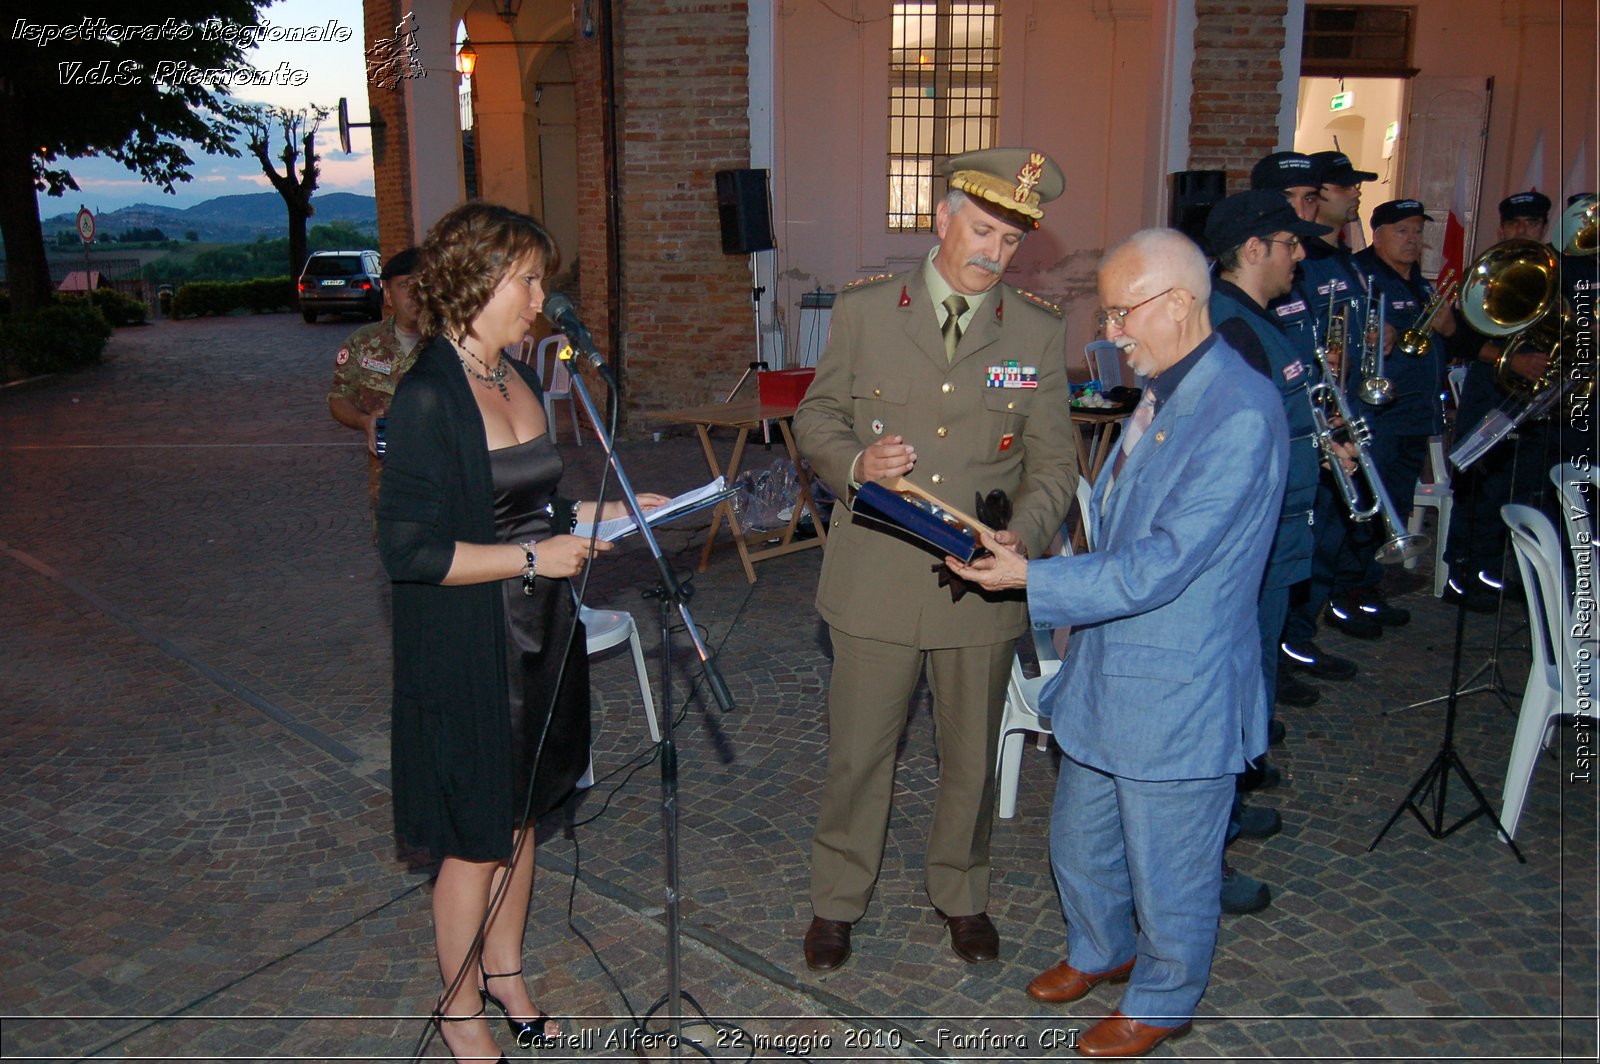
[(1342, 101)]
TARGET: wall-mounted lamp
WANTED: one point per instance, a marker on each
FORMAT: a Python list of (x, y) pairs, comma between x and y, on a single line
[(466, 58)]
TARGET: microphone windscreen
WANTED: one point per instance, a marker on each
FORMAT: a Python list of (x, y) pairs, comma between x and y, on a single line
[(556, 304)]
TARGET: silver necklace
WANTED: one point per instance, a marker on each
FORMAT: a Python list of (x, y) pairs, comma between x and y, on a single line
[(495, 376)]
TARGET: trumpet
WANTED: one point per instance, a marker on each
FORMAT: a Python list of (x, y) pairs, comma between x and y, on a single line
[(1375, 389), (1327, 393), (1414, 342)]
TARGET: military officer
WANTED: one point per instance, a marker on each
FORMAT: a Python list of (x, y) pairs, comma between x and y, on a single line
[(956, 380), (372, 360)]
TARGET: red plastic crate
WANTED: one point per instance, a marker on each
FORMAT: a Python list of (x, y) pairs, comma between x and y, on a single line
[(784, 387)]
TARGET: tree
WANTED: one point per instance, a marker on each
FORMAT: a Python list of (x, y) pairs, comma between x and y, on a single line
[(299, 130), (99, 90)]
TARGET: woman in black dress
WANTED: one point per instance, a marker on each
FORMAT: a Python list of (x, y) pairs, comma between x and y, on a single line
[(480, 549)]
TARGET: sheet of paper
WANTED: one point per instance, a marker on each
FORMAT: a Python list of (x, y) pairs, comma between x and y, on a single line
[(690, 501)]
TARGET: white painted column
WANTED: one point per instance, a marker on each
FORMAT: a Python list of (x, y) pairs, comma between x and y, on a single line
[(1294, 27), (1172, 28), (431, 113), (759, 19)]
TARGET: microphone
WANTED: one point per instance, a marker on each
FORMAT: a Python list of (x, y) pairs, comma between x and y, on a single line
[(558, 308)]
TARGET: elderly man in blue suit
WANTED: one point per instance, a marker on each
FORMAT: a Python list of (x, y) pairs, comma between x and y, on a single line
[(1160, 701)]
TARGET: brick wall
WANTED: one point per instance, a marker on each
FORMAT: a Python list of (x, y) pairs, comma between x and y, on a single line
[(391, 173), (682, 72), (1233, 113)]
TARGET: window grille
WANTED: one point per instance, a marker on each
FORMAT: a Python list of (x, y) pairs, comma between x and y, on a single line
[(944, 79)]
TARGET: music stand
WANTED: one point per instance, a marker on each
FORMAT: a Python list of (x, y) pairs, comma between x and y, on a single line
[(1495, 682), (1435, 779)]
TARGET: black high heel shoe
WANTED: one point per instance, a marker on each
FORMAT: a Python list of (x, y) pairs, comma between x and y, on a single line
[(528, 1033), (440, 1019)]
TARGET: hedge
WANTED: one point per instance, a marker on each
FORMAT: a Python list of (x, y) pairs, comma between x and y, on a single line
[(53, 339), (116, 308), (260, 296)]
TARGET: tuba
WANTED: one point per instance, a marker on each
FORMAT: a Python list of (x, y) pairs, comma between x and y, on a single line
[(1513, 294)]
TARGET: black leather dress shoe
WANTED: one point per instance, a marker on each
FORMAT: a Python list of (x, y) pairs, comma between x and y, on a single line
[(974, 937), (1260, 776), (827, 944), (1348, 617), (1308, 658), (1292, 692)]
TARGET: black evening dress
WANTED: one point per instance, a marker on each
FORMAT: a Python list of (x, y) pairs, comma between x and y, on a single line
[(525, 478)]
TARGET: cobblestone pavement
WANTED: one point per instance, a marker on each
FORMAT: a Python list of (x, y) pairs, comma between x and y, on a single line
[(195, 817)]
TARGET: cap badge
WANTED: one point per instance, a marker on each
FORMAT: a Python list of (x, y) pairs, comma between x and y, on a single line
[(1028, 176)]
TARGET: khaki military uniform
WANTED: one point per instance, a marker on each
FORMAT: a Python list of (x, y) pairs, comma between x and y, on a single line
[(366, 371), (997, 415)]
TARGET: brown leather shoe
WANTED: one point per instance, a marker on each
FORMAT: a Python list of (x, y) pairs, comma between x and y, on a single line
[(1118, 1036), (827, 944), (1064, 983), (974, 938)]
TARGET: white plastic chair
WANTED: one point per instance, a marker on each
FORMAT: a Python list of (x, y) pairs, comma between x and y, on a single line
[(521, 351), (1552, 687), (1456, 378), (1434, 493), (557, 386), (1021, 710), (605, 629), (1577, 511)]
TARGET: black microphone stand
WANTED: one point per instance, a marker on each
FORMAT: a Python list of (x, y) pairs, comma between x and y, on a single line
[(672, 593)]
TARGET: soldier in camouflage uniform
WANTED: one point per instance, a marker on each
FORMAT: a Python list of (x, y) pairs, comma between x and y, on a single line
[(372, 360)]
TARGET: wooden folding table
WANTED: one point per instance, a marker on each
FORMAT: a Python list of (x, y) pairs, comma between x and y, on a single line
[(743, 416)]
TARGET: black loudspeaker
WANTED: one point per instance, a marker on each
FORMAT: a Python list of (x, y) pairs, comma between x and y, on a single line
[(1191, 195), (744, 208)]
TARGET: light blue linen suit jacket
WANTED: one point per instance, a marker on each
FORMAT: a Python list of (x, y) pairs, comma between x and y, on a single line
[(1162, 679)]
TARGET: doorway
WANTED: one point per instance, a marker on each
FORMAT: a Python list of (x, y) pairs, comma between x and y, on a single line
[(1362, 118)]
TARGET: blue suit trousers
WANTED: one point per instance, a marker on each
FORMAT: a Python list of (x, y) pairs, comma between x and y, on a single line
[(1121, 847)]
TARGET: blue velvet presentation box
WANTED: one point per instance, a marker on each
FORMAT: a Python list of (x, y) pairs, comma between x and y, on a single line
[(908, 512)]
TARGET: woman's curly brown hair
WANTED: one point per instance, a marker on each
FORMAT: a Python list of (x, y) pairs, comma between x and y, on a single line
[(466, 255)]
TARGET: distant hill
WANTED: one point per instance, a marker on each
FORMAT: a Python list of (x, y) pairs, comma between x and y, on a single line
[(225, 219)]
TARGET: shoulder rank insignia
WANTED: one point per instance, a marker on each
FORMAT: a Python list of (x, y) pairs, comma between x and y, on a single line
[(863, 282), (1040, 302)]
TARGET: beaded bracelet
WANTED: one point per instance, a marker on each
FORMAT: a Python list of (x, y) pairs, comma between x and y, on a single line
[(531, 569)]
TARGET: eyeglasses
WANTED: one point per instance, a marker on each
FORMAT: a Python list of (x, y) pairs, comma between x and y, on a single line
[(1120, 314), (1292, 243)]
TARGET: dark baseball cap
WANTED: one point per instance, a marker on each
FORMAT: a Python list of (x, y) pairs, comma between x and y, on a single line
[(400, 264), (1259, 212), (1525, 205), (1337, 169), (1284, 170), (1397, 210)]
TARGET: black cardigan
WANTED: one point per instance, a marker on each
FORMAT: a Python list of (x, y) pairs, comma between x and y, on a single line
[(450, 743)]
